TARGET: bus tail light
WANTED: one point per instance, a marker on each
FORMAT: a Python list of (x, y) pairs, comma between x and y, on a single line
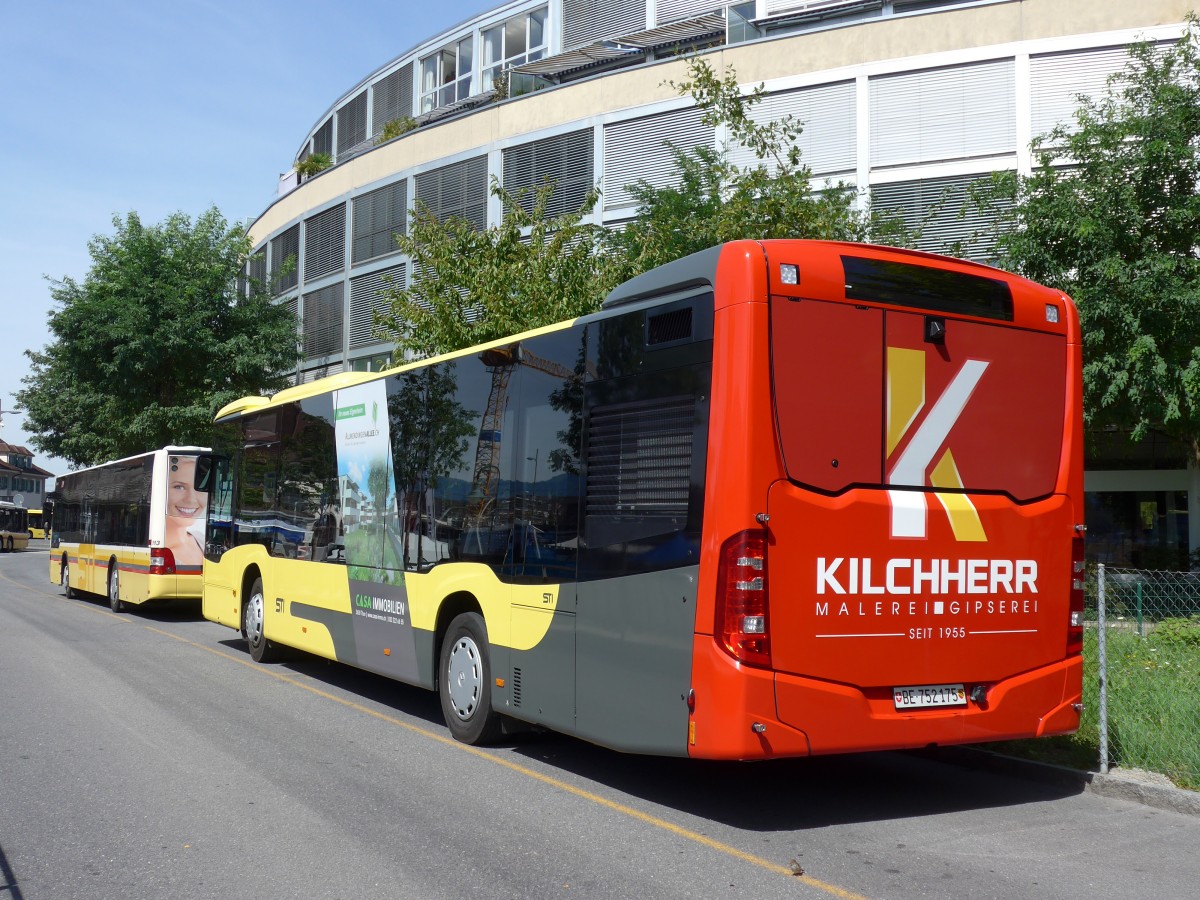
[(1078, 579), (742, 621), (162, 561)]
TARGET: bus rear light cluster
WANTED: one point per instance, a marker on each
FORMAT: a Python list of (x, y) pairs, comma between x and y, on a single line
[(1078, 579), (742, 622), (162, 561)]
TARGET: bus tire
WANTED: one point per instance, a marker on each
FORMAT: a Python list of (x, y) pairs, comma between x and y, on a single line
[(64, 577), (254, 612), (465, 682), (115, 603)]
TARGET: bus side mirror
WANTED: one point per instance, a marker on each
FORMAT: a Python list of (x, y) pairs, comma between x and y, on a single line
[(204, 470)]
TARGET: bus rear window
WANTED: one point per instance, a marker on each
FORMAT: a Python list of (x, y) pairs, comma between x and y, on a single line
[(924, 287)]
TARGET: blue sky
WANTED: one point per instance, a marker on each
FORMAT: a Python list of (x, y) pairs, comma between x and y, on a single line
[(114, 106)]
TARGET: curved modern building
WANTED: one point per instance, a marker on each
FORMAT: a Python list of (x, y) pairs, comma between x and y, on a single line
[(910, 100)]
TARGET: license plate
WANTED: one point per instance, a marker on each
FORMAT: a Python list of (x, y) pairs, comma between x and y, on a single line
[(923, 696)]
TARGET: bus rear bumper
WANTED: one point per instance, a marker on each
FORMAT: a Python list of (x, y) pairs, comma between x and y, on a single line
[(841, 718), (734, 715)]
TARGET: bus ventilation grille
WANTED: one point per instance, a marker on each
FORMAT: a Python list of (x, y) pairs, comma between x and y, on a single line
[(669, 327), (516, 687), (639, 460)]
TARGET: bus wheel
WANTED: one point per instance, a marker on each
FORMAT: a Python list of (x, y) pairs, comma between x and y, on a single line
[(64, 576), (254, 612), (114, 590), (465, 682)]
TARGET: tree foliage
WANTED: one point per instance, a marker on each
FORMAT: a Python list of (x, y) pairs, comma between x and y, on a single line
[(153, 341), (716, 200), (1111, 216), (473, 286)]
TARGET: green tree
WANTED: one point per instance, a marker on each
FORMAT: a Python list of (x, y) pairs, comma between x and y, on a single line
[(1111, 216), (472, 286), (153, 341), (716, 200)]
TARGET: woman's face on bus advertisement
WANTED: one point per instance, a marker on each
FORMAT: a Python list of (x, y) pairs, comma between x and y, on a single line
[(183, 499)]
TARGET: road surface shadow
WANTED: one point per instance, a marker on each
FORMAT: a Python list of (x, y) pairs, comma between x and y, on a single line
[(767, 796), (404, 699), (792, 794), (8, 879), (162, 611)]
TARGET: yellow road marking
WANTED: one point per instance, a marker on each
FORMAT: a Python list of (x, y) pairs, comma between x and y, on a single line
[(621, 808)]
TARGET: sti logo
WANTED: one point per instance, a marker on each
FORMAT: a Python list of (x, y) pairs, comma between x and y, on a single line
[(929, 425)]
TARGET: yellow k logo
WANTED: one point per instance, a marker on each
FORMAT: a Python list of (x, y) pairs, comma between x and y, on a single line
[(906, 409)]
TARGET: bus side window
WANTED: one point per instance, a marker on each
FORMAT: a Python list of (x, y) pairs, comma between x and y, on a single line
[(307, 496), (549, 427), (467, 473)]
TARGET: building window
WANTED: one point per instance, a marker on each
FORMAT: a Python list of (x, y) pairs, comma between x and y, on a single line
[(942, 114), (285, 255), (941, 215), (587, 21), (459, 189), (325, 242), (392, 99), (352, 125), (1138, 529), (519, 40), (256, 269), (371, 294), (379, 216), (323, 316), (446, 75), (564, 160), (323, 138), (741, 24), (376, 363)]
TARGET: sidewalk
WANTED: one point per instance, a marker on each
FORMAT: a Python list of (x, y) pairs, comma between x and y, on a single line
[(1147, 788)]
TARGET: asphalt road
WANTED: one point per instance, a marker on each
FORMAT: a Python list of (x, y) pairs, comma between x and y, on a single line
[(145, 755)]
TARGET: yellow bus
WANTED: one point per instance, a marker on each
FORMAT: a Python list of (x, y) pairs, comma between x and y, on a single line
[(37, 524), (14, 527), (131, 529)]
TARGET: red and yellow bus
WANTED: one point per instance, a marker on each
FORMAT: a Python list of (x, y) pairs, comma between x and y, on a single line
[(777, 498), (131, 529)]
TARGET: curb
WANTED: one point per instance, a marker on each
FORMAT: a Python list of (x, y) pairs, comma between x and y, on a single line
[(1158, 796), (1113, 785)]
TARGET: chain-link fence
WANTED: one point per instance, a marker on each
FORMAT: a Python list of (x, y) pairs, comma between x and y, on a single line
[(1147, 657)]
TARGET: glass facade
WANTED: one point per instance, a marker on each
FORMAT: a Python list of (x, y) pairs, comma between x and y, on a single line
[(1138, 529)]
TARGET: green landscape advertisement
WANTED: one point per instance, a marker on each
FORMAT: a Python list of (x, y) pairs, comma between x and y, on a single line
[(379, 602)]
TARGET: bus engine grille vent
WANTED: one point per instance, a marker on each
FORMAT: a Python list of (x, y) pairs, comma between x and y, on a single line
[(669, 327), (639, 460), (516, 686)]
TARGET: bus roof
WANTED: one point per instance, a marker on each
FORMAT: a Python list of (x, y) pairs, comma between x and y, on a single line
[(339, 380), (170, 448)]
